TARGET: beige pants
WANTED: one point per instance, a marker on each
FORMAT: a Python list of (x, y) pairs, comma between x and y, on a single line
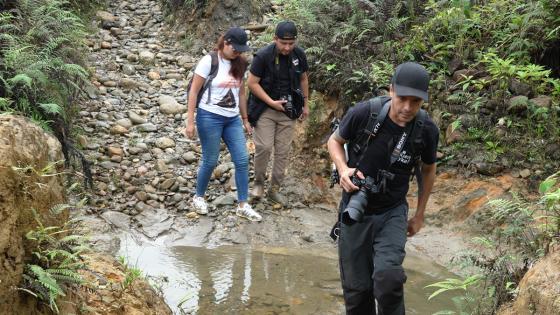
[(274, 130)]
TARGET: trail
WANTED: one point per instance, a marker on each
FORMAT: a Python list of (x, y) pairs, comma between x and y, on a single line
[(145, 169)]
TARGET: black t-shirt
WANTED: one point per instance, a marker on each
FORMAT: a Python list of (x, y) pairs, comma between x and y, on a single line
[(377, 155), (282, 87)]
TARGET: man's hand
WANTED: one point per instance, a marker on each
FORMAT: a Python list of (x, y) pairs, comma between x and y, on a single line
[(304, 113), (346, 181), (278, 105), (414, 225)]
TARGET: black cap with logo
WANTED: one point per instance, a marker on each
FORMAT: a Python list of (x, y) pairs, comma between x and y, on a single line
[(411, 79), (286, 30), (237, 37)]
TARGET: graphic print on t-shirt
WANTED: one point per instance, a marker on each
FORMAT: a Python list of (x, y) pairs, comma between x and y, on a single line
[(228, 101)]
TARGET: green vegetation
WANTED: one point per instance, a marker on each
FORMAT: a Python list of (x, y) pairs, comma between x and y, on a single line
[(41, 65), (497, 45), (55, 260), (131, 273), (40, 75), (520, 233)]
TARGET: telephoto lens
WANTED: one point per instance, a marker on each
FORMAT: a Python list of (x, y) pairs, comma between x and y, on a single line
[(354, 211)]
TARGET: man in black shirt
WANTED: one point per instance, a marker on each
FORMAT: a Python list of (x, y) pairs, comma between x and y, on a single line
[(279, 91), (371, 252)]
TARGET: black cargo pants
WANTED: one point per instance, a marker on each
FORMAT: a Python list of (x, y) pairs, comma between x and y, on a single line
[(371, 254)]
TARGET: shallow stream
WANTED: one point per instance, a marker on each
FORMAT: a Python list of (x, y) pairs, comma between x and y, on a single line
[(244, 280)]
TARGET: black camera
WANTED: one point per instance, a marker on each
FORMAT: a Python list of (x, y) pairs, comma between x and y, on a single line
[(288, 105), (354, 211)]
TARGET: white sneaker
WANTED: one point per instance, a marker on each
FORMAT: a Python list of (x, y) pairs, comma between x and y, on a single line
[(199, 205), (248, 213)]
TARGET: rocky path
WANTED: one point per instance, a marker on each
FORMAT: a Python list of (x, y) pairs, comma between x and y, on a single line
[(144, 168)]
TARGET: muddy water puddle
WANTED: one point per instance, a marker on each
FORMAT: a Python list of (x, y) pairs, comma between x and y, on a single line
[(243, 280)]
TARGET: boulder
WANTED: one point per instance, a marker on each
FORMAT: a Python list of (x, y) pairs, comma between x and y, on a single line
[(518, 104), (519, 88), (453, 135), (169, 106), (165, 142), (542, 101), (146, 57)]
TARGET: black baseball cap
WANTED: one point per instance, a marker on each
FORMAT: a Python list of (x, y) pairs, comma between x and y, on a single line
[(237, 37), (286, 30), (411, 79)]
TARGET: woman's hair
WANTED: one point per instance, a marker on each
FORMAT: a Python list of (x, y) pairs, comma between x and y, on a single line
[(238, 65)]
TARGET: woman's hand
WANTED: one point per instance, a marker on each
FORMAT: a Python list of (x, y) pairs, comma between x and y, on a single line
[(189, 130), (247, 126)]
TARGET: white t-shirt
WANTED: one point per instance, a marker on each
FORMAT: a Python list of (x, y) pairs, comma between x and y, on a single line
[(224, 99)]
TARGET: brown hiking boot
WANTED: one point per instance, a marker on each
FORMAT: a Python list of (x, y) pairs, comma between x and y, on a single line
[(258, 191), (275, 195)]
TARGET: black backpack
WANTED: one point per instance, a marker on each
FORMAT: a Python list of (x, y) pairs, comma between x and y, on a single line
[(207, 83), (378, 110)]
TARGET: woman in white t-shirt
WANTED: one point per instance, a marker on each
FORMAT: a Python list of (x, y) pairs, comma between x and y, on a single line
[(218, 117)]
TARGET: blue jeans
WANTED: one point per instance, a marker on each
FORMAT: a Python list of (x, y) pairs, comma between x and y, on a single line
[(211, 129)]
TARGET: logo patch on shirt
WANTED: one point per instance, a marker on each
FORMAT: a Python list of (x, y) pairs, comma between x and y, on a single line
[(295, 61), (404, 158)]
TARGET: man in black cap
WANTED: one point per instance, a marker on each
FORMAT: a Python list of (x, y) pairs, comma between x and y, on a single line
[(279, 94), (387, 138)]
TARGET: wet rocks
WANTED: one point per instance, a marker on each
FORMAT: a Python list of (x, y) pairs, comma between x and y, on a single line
[(144, 168)]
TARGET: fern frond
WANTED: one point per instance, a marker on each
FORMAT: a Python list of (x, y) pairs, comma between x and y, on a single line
[(5, 104), (57, 209), (21, 79), (51, 108), (46, 280), (75, 70), (66, 275)]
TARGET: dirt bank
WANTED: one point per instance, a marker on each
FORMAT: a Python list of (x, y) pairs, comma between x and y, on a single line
[(32, 178)]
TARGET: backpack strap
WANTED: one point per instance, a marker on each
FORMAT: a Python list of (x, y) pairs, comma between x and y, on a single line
[(417, 145), (378, 110), (213, 72)]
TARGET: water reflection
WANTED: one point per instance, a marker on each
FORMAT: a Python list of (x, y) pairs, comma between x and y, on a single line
[(242, 280)]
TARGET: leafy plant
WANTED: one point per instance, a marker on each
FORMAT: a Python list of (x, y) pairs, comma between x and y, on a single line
[(453, 284), (494, 149), (519, 233), (131, 273), (41, 66), (456, 124), (56, 260)]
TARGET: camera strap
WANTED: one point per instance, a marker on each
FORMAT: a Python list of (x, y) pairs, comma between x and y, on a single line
[(378, 110), (400, 145)]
